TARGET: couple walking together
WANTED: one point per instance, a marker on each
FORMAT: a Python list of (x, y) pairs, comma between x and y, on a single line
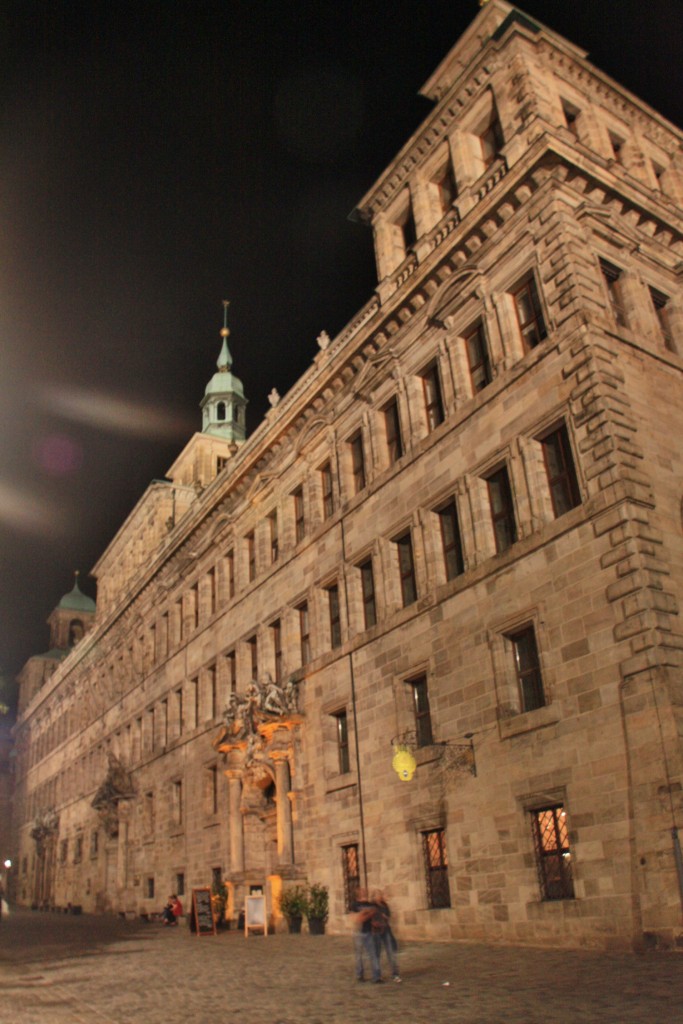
[(373, 934)]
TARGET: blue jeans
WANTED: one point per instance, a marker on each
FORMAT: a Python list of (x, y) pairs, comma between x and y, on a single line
[(366, 949), (385, 941)]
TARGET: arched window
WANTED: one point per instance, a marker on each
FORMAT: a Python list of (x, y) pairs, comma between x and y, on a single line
[(76, 631), (220, 411)]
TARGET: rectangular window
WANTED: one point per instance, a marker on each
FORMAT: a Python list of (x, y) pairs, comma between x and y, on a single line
[(253, 656), (423, 718), (250, 541), (662, 306), (194, 605), (149, 888), (571, 113), (230, 572), (335, 617), (216, 878), (407, 225), (213, 692), (368, 590), (502, 510), (451, 542), (436, 868), (274, 537), (304, 633), (342, 730), (327, 490), (406, 569), (612, 275), (447, 188), (180, 883), (194, 703), (276, 633), (179, 710), (553, 853), (299, 515), (350, 874), (78, 850), (529, 313), (433, 397), (94, 844), (478, 360), (63, 852), (211, 589), (212, 789), (559, 467), (492, 139), (392, 427), (617, 144), (231, 671), (357, 462), (528, 669), (177, 802)]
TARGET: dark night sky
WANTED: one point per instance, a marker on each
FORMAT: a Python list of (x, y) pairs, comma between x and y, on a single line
[(158, 157)]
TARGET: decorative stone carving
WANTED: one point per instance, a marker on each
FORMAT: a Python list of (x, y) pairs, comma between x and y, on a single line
[(44, 825), (117, 786), (323, 340), (274, 397)]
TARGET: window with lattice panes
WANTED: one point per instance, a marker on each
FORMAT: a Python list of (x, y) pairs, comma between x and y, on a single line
[(367, 578), (341, 722), (436, 868), (350, 874), (560, 471), (527, 669), (392, 427), (553, 852)]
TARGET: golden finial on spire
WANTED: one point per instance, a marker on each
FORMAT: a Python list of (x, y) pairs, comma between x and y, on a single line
[(224, 330)]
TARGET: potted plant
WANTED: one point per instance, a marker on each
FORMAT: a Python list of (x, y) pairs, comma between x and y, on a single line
[(293, 905), (317, 908)]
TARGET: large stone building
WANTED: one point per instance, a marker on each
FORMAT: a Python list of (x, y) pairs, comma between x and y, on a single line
[(421, 628)]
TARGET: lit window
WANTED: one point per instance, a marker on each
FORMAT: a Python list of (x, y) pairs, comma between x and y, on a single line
[(406, 569), (612, 276), (502, 510), (350, 874), (357, 462), (342, 731), (450, 540), (478, 360), (368, 591), (421, 710), (527, 669), (436, 868), (392, 427), (327, 491), (432, 397), (553, 853), (559, 465), (335, 615), (299, 514), (529, 313)]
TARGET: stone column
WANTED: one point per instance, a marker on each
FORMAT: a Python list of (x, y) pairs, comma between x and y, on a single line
[(236, 823), (284, 809)]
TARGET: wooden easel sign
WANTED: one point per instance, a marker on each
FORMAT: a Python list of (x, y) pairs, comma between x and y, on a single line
[(255, 914), (202, 912)]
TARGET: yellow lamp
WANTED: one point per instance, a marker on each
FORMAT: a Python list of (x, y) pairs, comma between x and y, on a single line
[(403, 763)]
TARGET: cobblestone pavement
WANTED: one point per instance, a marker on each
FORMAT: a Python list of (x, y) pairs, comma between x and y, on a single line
[(64, 969)]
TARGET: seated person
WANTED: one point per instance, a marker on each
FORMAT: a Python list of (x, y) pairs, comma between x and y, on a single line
[(172, 911)]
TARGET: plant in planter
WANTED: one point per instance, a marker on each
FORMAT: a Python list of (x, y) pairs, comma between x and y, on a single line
[(317, 908), (293, 905)]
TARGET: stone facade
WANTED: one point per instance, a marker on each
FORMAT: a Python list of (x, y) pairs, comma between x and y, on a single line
[(458, 536)]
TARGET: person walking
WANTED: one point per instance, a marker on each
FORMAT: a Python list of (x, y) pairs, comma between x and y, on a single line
[(382, 935), (364, 944)]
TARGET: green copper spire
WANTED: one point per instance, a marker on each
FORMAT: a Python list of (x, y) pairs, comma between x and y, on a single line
[(224, 405)]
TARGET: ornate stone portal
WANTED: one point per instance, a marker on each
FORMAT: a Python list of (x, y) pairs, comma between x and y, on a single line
[(258, 743)]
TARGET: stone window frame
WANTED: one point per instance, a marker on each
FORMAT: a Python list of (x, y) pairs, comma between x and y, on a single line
[(351, 882), (356, 476), (524, 263), (528, 804), (177, 798), (404, 707), (530, 447), (334, 778), (481, 115), (211, 790), (354, 583), (393, 446), (512, 721)]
